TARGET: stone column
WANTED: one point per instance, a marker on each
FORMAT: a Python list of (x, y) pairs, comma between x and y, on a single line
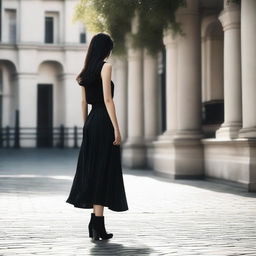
[(230, 19), (248, 41), (134, 148), (180, 154), (150, 96), (27, 104), (161, 153), (189, 73), (151, 89), (120, 93)]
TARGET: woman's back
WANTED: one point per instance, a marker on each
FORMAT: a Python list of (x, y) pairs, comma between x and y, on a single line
[(93, 86)]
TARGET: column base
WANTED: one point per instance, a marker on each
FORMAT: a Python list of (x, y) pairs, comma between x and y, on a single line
[(181, 134), (228, 131), (188, 134), (149, 151), (231, 160), (177, 157), (247, 132), (168, 134), (134, 154)]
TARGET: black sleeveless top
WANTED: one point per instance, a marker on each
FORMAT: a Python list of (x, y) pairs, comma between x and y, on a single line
[(94, 89)]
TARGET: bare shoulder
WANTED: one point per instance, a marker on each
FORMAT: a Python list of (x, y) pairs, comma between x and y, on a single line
[(106, 69), (107, 66)]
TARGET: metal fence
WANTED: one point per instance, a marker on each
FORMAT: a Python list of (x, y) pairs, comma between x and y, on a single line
[(11, 137), (44, 137)]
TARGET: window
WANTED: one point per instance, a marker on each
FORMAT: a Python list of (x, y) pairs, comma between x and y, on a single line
[(49, 29), (11, 25), (82, 34)]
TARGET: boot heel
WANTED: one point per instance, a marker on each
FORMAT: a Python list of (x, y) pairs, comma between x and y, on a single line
[(91, 224), (95, 235), (90, 232)]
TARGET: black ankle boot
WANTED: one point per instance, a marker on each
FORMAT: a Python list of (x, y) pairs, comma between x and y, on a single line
[(90, 224), (98, 229)]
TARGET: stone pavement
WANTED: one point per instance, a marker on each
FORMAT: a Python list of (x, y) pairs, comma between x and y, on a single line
[(181, 217)]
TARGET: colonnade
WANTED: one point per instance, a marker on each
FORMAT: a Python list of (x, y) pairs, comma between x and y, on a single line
[(183, 100), (178, 151)]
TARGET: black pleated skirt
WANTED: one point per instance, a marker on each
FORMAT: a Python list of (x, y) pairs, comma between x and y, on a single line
[(98, 178)]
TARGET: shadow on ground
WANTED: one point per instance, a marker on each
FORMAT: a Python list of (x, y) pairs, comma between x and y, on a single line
[(109, 248)]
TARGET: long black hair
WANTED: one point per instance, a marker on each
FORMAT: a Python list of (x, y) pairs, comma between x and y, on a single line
[(100, 47)]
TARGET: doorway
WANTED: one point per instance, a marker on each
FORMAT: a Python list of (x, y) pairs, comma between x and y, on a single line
[(44, 115)]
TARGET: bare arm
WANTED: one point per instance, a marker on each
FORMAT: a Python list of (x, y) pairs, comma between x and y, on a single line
[(106, 82), (84, 103)]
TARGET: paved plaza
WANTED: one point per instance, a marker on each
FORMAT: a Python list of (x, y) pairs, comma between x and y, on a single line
[(165, 217)]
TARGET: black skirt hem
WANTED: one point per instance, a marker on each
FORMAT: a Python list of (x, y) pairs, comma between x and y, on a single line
[(86, 205)]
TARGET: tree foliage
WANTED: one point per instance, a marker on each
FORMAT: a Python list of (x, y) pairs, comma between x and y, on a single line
[(154, 17), (114, 17)]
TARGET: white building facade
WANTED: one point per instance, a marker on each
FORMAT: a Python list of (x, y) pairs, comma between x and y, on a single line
[(186, 113), (41, 52)]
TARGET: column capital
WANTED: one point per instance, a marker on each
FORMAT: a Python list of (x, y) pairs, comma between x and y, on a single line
[(128, 41), (135, 22), (169, 38), (230, 17), (191, 8), (134, 54), (147, 55)]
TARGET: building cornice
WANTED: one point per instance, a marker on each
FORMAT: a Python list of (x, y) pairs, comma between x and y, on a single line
[(43, 47)]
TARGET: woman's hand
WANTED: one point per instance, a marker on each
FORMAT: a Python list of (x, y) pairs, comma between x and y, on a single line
[(117, 140)]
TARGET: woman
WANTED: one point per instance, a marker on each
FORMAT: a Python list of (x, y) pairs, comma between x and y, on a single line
[(98, 180)]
